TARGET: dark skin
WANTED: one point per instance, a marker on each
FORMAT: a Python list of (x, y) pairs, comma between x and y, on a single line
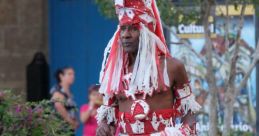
[(129, 37)]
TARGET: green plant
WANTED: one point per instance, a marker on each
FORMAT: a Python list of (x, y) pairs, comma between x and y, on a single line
[(171, 13), (18, 118)]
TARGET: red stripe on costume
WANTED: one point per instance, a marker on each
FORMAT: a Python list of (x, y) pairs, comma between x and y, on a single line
[(159, 31), (112, 56)]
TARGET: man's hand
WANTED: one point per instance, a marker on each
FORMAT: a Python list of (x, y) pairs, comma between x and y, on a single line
[(105, 130)]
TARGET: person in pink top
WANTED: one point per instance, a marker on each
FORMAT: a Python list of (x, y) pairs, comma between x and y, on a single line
[(88, 111)]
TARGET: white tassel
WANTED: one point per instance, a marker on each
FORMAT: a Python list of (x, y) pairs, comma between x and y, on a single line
[(118, 68), (145, 72), (165, 74), (106, 113), (104, 83), (189, 104), (159, 43), (187, 99), (104, 79), (174, 131), (105, 55)]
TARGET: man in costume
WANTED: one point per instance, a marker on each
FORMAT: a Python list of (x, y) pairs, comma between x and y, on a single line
[(146, 91)]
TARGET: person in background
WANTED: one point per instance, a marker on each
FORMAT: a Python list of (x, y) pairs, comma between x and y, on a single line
[(88, 111), (62, 97)]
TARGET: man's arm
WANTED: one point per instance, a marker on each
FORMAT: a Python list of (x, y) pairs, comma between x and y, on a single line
[(185, 100), (106, 117)]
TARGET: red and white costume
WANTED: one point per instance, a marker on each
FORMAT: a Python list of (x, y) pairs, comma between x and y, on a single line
[(144, 79)]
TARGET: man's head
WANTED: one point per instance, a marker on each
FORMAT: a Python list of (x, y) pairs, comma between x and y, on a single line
[(129, 37), (140, 33)]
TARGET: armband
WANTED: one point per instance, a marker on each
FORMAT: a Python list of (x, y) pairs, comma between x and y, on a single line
[(185, 100)]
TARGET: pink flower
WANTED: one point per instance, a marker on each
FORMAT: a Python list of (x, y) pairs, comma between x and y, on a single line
[(39, 111), (29, 110), (18, 109), (1, 95)]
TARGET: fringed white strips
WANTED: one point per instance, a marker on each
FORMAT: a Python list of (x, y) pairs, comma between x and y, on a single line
[(187, 100), (154, 69), (145, 61), (189, 104), (133, 86), (145, 73), (165, 74), (159, 43), (106, 113), (104, 83), (117, 70), (105, 55), (106, 99), (138, 80), (136, 65), (161, 47), (174, 131), (153, 65)]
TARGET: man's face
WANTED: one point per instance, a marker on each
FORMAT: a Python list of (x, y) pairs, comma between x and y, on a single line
[(129, 36)]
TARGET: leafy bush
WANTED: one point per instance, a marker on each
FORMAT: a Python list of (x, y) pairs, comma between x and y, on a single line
[(18, 118)]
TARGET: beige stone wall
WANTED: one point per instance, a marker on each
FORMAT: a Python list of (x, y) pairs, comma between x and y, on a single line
[(23, 31)]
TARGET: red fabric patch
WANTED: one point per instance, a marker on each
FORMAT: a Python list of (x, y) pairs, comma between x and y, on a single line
[(138, 109)]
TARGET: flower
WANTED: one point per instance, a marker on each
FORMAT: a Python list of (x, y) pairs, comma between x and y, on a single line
[(33, 118), (39, 111), (1, 95), (18, 109)]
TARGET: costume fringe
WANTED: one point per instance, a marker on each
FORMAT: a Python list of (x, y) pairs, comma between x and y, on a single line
[(106, 53), (106, 113), (174, 131), (145, 70), (189, 104), (186, 100)]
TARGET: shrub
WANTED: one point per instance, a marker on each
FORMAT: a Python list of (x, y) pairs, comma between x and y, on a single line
[(18, 118)]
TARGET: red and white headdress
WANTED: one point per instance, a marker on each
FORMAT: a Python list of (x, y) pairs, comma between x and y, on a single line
[(152, 44)]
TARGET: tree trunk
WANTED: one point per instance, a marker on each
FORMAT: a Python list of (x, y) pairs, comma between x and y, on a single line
[(213, 117), (213, 129), (228, 111), (231, 92)]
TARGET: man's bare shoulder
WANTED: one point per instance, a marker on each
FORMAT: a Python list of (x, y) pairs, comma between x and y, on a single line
[(175, 67), (173, 64)]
